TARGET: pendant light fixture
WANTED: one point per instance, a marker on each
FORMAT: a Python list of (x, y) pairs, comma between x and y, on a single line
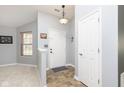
[(63, 20)]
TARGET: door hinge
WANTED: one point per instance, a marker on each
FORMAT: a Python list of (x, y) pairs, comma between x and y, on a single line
[(98, 81), (98, 50)]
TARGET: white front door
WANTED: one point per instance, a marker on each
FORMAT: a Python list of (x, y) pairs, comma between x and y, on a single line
[(57, 48), (88, 49)]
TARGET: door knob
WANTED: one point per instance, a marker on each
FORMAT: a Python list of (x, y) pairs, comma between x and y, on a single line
[(80, 54)]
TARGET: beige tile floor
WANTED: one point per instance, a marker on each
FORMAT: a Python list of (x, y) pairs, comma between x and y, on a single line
[(63, 78), (19, 76)]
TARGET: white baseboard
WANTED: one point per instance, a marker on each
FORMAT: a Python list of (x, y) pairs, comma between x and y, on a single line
[(75, 77), (30, 65), (12, 64), (70, 65)]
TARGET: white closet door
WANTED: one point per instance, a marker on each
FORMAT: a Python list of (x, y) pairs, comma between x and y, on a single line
[(88, 49)]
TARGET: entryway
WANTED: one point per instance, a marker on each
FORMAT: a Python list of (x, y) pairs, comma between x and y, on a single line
[(59, 75), (57, 48), (63, 78)]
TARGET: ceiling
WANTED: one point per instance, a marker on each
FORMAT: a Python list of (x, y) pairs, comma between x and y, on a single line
[(14, 16)]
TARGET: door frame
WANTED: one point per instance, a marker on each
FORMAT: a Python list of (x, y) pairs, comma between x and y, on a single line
[(99, 10), (49, 67)]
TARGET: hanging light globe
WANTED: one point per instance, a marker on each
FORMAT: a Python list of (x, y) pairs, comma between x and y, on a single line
[(63, 20)]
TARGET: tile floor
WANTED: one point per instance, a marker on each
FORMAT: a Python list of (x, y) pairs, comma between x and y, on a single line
[(63, 78)]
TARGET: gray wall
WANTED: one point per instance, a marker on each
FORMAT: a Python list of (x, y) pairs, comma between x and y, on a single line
[(110, 46), (71, 45), (8, 51), (109, 42), (121, 40), (46, 22), (27, 59)]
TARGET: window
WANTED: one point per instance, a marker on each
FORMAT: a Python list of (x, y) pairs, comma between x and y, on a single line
[(26, 43)]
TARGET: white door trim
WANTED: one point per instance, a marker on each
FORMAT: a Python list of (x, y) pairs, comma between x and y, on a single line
[(100, 40)]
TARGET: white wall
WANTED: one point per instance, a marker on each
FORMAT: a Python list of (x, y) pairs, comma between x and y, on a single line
[(109, 41), (27, 59), (46, 22), (8, 51)]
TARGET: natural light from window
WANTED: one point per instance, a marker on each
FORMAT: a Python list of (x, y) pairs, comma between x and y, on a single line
[(26, 44)]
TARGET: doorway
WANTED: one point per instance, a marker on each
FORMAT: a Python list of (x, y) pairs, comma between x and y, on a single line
[(57, 48)]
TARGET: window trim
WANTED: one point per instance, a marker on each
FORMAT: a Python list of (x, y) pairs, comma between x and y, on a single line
[(21, 44)]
